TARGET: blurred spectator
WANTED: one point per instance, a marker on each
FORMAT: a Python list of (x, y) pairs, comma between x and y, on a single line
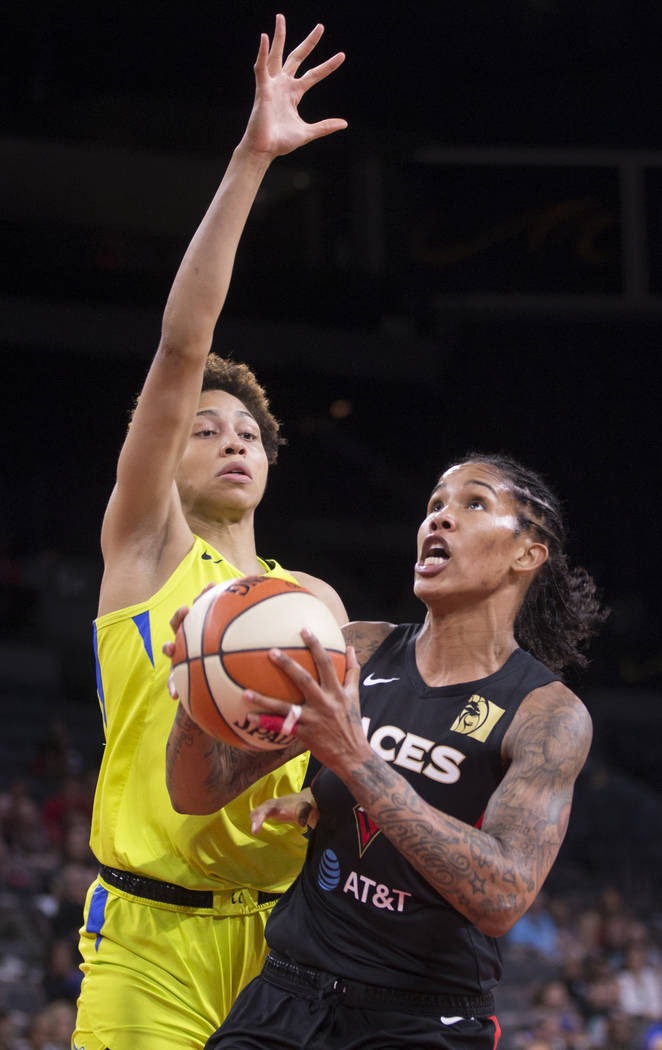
[(52, 1028), (26, 853), (620, 1033), (583, 940), (69, 890), (574, 974), (63, 977), (640, 986), (56, 757), (557, 1019), (602, 997), (652, 1037), (537, 930), (8, 1038), (71, 802), (616, 936)]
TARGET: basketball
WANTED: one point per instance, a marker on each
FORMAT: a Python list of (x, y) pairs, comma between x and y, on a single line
[(222, 647)]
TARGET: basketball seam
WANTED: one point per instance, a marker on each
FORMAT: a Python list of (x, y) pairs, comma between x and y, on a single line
[(203, 657)]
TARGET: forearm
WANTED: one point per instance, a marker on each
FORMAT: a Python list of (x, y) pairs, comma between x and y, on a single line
[(203, 278), (203, 774), (486, 878)]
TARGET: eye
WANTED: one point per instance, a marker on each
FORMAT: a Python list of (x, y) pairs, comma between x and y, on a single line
[(248, 435), (435, 506), (205, 432), (476, 501)]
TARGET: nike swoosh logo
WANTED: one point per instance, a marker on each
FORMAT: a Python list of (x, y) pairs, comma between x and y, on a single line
[(378, 681)]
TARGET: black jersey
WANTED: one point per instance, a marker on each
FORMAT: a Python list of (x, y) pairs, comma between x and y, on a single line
[(358, 908)]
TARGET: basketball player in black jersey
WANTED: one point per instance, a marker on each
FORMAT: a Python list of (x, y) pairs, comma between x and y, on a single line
[(447, 770)]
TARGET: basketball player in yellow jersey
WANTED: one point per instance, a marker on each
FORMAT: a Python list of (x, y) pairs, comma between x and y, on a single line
[(173, 926)]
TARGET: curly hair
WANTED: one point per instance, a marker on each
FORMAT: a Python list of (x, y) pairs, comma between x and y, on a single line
[(562, 609), (221, 373)]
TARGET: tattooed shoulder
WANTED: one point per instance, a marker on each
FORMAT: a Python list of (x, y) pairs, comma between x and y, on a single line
[(366, 637), (553, 722)]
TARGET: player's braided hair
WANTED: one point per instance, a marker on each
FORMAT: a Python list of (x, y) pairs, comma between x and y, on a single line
[(221, 373), (562, 609)]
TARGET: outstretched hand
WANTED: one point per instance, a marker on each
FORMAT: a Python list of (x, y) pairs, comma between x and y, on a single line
[(275, 127)]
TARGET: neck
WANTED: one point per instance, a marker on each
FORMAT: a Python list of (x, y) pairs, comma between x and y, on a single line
[(463, 645), (235, 540)]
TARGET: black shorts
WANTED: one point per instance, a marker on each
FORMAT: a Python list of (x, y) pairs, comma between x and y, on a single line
[(288, 1008)]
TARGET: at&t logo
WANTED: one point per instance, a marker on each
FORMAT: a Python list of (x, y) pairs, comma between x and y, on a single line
[(364, 890)]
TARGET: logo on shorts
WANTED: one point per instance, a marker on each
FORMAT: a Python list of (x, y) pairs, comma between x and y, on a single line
[(328, 874), (477, 718)]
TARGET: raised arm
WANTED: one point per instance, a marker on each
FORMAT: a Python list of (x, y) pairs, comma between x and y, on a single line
[(492, 874), (144, 504)]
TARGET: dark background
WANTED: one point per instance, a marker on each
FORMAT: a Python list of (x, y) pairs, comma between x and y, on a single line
[(474, 264)]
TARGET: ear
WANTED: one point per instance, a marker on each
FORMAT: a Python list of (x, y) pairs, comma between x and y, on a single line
[(532, 558)]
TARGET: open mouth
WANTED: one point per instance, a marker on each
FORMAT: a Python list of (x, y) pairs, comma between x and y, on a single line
[(437, 556), (434, 552)]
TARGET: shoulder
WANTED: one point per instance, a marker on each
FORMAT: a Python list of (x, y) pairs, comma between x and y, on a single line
[(324, 591), (366, 637), (553, 721)]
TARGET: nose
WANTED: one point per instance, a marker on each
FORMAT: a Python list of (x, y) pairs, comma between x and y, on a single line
[(233, 446), (443, 519)]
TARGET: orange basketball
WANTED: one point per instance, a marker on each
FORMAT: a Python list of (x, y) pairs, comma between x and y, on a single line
[(222, 647)]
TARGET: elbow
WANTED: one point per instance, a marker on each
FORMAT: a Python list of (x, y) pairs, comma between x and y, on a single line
[(501, 917), (177, 800), (189, 803), (189, 807), (497, 925)]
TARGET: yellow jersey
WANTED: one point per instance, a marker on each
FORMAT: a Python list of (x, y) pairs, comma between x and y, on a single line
[(134, 826)]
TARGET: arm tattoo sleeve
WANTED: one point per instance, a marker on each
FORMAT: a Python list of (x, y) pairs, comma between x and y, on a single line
[(204, 772), (491, 874)]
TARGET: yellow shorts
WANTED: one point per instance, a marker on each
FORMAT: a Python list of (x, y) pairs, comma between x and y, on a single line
[(159, 976)]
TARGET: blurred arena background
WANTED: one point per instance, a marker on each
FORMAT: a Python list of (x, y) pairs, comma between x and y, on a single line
[(476, 263)]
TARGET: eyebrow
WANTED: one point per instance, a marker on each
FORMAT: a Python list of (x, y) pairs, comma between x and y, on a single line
[(470, 481), (217, 415)]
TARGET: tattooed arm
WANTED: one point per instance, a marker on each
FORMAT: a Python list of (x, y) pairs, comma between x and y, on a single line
[(203, 774), (489, 874), (365, 637), (492, 874)]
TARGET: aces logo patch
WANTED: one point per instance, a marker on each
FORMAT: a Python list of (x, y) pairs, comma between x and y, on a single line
[(477, 718)]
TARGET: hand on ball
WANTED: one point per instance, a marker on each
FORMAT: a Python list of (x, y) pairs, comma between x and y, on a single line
[(329, 722)]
